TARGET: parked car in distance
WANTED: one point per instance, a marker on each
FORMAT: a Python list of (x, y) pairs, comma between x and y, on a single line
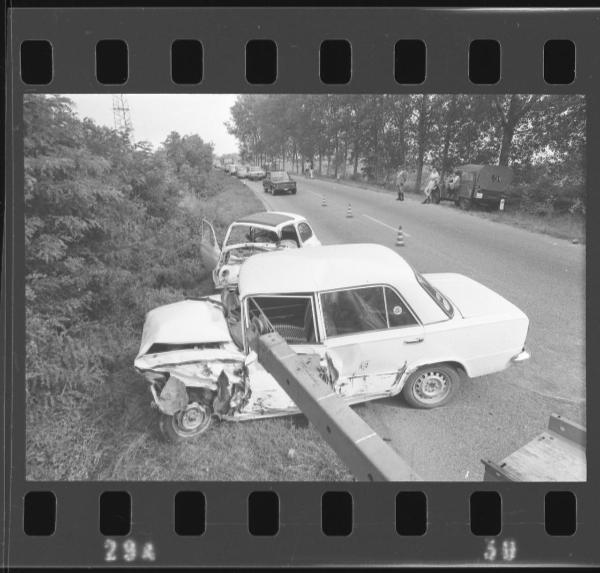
[(242, 171), (256, 173), (366, 322), (279, 182), (250, 235), (483, 185)]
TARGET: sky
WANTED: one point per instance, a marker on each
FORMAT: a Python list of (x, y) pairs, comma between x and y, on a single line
[(154, 116)]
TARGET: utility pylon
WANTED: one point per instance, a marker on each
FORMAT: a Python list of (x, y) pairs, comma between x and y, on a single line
[(121, 114)]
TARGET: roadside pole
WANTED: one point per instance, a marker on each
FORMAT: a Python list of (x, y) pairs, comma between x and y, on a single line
[(367, 456)]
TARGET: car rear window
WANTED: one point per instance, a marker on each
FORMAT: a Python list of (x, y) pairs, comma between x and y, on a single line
[(436, 295), (280, 176)]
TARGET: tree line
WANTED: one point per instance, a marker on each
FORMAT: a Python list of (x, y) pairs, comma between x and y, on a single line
[(371, 136), (106, 239)]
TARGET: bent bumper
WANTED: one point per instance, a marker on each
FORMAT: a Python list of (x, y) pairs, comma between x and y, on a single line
[(522, 356)]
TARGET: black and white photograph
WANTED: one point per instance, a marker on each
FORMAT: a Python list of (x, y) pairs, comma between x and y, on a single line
[(301, 287)]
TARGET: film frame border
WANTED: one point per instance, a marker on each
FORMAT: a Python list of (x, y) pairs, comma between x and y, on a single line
[(298, 32)]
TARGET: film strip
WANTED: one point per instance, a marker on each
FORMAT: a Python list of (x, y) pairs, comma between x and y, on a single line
[(402, 517)]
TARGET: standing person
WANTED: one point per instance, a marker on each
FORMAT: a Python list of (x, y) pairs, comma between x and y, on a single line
[(401, 178), (454, 182), (310, 169), (432, 183)]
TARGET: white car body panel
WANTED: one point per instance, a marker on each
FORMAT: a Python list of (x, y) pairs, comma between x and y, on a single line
[(484, 335)]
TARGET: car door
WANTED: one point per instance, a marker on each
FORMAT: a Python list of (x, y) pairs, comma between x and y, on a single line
[(210, 251), (372, 337)]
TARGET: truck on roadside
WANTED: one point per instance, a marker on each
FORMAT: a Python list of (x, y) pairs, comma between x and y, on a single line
[(478, 185)]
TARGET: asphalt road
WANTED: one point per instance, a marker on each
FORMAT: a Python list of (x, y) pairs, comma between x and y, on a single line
[(493, 415)]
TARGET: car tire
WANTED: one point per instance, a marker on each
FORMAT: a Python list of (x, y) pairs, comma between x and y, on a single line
[(431, 386), (293, 191), (174, 430)]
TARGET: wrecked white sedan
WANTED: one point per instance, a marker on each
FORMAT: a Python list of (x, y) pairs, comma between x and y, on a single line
[(374, 327), (250, 235)]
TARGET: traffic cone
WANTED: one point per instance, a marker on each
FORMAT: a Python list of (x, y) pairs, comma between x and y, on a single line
[(400, 237), (349, 214), (323, 202)]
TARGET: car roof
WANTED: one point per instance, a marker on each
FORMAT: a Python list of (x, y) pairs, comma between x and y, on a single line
[(270, 218), (322, 268)]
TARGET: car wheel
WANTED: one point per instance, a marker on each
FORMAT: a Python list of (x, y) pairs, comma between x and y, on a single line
[(186, 424), (293, 191), (431, 386)]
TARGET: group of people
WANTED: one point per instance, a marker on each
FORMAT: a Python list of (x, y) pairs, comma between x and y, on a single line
[(433, 182)]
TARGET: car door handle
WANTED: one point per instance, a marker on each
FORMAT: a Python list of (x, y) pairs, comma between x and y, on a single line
[(413, 340)]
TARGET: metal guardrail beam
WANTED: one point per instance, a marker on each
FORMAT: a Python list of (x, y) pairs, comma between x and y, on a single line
[(367, 456)]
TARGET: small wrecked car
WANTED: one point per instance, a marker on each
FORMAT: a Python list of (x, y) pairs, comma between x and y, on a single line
[(371, 326), (250, 235)]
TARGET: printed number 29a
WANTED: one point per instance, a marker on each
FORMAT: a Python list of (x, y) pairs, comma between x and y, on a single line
[(508, 550), (128, 551)]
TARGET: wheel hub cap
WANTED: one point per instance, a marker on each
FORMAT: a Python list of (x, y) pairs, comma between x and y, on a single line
[(432, 386), (191, 418)]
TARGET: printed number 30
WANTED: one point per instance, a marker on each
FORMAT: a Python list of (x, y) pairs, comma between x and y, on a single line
[(130, 552)]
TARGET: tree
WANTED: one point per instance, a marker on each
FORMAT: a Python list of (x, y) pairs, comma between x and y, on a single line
[(511, 110), (421, 138)]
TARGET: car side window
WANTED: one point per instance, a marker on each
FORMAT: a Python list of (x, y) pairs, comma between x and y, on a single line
[(291, 316), (353, 311), (289, 233), (398, 314), (305, 232)]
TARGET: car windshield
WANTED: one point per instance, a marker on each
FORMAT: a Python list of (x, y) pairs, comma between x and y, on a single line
[(254, 169), (250, 234), (280, 176), (436, 295)]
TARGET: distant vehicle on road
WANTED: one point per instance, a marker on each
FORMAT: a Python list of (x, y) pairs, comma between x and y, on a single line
[(279, 182), (367, 323), (484, 185), (250, 235), (256, 173), (242, 171), (231, 167)]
